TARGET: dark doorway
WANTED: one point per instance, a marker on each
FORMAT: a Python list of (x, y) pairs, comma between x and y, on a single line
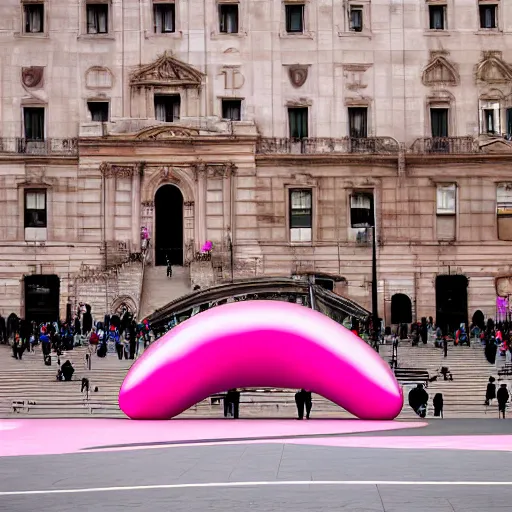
[(327, 284), (401, 309), (168, 225), (451, 302), (42, 293), (478, 319)]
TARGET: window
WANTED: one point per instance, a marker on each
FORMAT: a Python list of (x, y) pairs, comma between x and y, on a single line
[(509, 123), (504, 210), (437, 16), (99, 111), (294, 18), (167, 108), (301, 215), (446, 199), (33, 118), (34, 18), (232, 110), (228, 18), (164, 18), (490, 117), (362, 210), (439, 122), (298, 122), (446, 210), (358, 122), (97, 18), (356, 18), (488, 16), (35, 208)]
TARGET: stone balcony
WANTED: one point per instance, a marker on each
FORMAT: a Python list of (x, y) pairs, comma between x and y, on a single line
[(445, 145), (312, 146), (48, 147)]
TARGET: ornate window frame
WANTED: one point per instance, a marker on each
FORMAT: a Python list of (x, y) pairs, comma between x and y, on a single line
[(45, 34), (342, 19), (448, 18), (307, 33), (441, 99)]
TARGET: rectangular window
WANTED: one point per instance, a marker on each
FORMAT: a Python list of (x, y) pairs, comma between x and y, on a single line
[(294, 18), (97, 18), (34, 18), (356, 18), (232, 110), (504, 211), (437, 16), (35, 208), (488, 16), (358, 122), (490, 117), (439, 122), (164, 17), (167, 107), (301, 215), (446, 199), (362, 210), (298, 122), (228, 18), (509, 123), (33, 118), (99, 111)]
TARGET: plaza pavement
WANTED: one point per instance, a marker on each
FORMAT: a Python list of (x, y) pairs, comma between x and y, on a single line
[(442, 466)]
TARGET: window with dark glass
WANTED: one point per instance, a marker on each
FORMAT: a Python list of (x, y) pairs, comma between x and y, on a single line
[(298, 122), (439, 122), (164, 17), (362, 210), (34, 18), (488, 15), (301, 215), (33, 120), (356, 18), (358, 122), (228, 18), (294, 18), (232, 110), (97, 18), (509, 123), (437, 16), (489, 124), (99, 111), (35, 208), (167, 107)]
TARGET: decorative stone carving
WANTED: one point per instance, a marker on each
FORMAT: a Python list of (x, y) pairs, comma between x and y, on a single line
[(148, 204), (233, 78), (231, 50), (98, 77), (188, 204), (223, 170), (167, 71), (32, 77), (440, 71), (354, 76), (119, 171), (166, 132), (492, 69), (298, 74), (200, 170), (299, 102)]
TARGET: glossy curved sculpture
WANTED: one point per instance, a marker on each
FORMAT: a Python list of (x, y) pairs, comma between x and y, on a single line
[(259, 344)]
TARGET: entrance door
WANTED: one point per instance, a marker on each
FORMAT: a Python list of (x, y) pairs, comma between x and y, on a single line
[(401, 309), (42, 298), (168, 225), (451, 302)]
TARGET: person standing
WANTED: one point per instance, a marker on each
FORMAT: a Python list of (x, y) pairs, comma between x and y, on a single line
[(502, 397), (299, 402), (438, 403), (490, 393)]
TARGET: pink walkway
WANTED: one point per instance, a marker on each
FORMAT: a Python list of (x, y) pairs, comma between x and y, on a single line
[(58, 436)]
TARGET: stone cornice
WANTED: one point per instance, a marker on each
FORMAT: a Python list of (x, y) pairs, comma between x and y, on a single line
[(117, 170), (323, 159), (39, 159)]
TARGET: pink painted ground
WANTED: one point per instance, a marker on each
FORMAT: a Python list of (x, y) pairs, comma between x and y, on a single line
[(46, 437)]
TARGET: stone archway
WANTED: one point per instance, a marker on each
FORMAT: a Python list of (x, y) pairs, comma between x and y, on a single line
[(123, 301), (182, 178), (401, 309)]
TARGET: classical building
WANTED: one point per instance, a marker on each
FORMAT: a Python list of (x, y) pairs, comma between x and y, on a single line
[(280, 130)]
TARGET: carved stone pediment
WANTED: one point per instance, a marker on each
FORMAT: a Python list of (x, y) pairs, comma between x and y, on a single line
[(492, 69), (119, 171), (495, 146), (167, 71), (223, 170), (166, 132), (440, 71)]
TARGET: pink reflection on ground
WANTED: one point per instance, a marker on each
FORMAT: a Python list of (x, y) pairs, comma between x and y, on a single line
[(59, 436)]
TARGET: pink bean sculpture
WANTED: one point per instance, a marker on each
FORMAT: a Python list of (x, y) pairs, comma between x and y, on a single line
[(259, 344)]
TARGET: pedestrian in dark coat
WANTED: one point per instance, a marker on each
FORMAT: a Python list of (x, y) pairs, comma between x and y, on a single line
[(490, 393), (502, 397)]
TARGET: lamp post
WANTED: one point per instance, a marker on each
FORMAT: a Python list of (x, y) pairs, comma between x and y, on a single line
[(375, 304)]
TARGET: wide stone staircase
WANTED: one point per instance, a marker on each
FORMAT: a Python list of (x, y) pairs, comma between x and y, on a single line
[(28, 388)]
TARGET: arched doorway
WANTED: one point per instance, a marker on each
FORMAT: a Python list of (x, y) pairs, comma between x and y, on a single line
[(451, 302), (168, 225), (401, 309), (478, 319)]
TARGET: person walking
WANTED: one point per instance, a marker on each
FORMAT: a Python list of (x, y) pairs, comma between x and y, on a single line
[(490, 393), (438, 403), (503, 397)]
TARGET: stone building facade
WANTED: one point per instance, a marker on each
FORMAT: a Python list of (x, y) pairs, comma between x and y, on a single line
[(282, 124)]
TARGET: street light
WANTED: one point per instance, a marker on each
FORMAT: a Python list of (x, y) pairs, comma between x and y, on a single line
[(362, 216)]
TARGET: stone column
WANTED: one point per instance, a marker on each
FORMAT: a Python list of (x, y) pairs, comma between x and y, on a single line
[(136, 210), (201, 203), (110, 200)]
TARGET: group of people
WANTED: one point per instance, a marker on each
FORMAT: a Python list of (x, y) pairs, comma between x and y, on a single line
[(502, 396), (418, 401)]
